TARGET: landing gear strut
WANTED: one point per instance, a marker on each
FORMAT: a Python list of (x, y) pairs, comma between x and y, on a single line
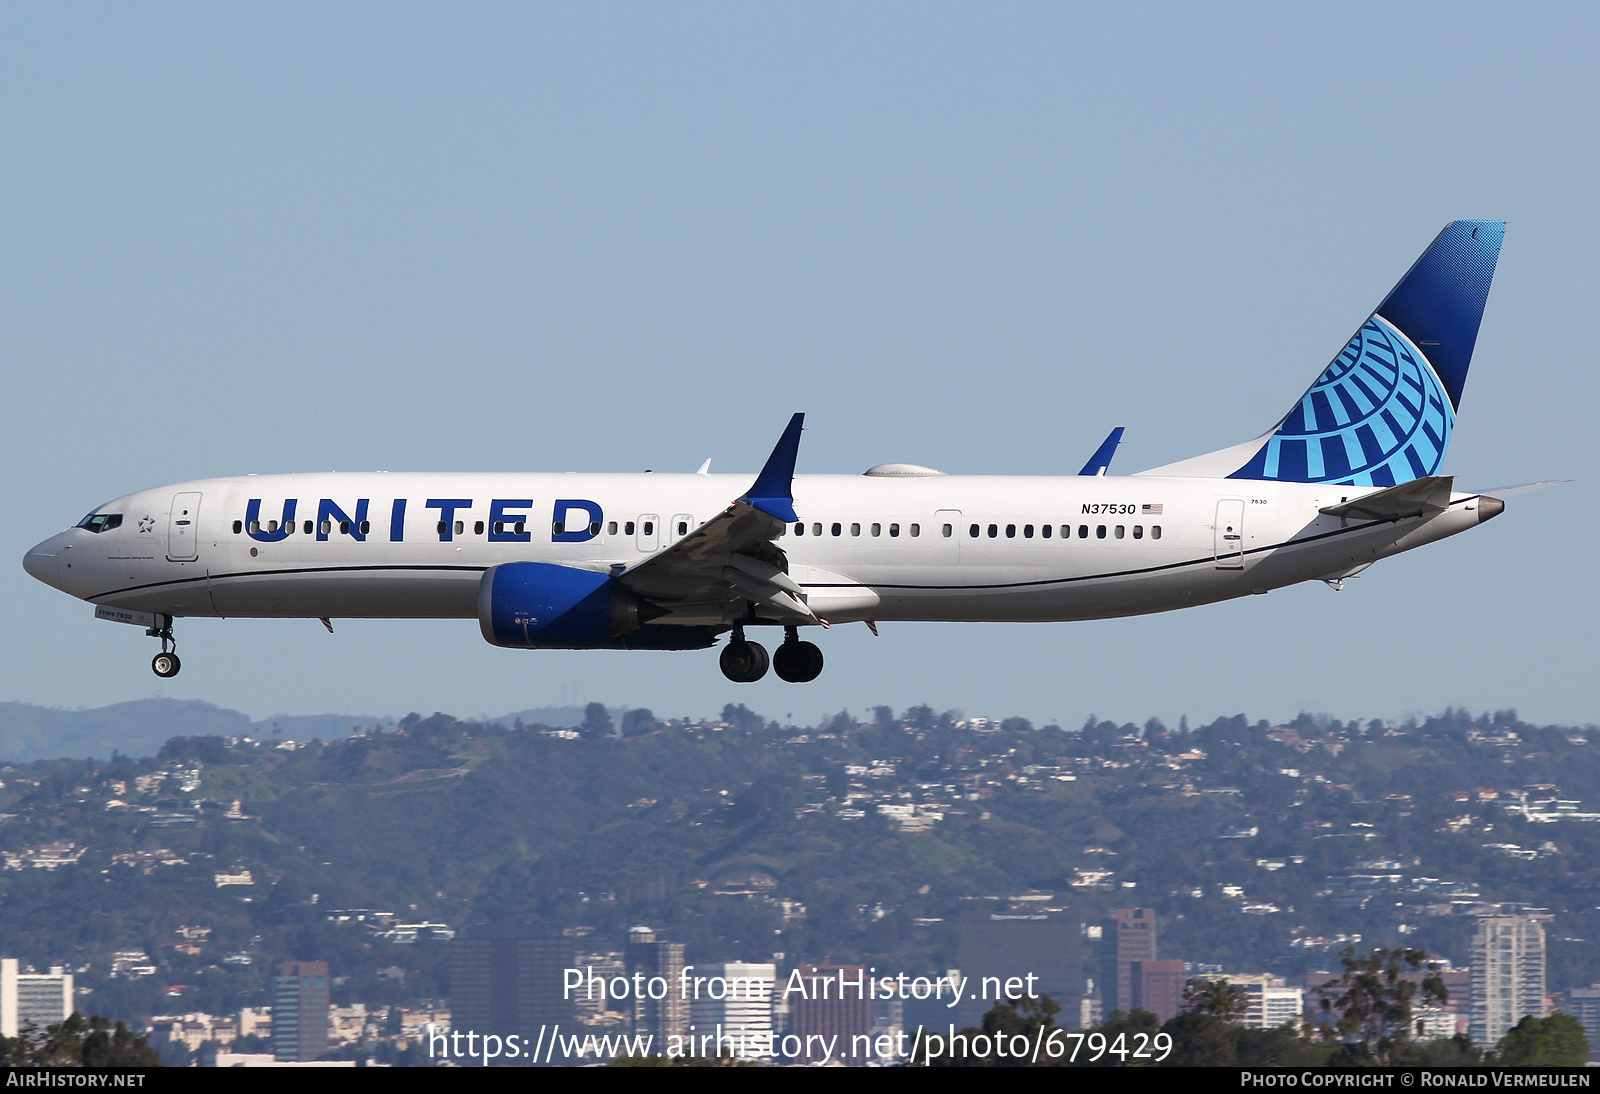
[(796, 661), (165, 664), (743, 662)]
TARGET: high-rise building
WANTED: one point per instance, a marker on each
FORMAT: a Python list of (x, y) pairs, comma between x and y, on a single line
[(833, 1009), (733, 1002), (1272, 1002), (40, 999), (509, 983), (1584, 1005), (999, 946), (1507, 975), (1157, 987), (1133, 939), (663, 1013), (300, 1011)]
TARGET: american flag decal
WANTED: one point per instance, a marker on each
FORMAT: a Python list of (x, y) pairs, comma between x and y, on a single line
[(1150, 510)]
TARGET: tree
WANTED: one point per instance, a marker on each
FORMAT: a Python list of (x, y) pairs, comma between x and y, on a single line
[(1374, 999), (636, 723), (1217, 998), (1556, 1041), (78, 1042), (596, 722)]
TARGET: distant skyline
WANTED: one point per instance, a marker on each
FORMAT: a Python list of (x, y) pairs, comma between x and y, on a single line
[(509, 237)]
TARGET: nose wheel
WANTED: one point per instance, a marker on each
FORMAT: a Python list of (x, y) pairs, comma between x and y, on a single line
[(796, 661), (165, 664)]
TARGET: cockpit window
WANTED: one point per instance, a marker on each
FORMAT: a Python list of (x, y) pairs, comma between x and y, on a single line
[(101, 522)]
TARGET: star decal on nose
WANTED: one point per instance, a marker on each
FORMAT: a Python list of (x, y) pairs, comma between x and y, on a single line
[(147, 524)]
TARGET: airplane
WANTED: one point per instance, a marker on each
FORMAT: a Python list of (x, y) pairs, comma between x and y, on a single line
[(667, 562)]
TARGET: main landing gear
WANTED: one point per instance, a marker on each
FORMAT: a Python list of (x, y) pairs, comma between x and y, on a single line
[(745, 662), (165, 664)]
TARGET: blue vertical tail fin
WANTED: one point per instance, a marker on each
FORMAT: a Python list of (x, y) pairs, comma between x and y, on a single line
[(1383, 411)]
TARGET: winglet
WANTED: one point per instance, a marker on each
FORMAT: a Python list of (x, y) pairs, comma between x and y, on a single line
[(1102, 456), (773, 491)]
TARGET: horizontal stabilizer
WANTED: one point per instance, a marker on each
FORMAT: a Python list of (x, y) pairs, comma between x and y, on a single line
[(1416, 498), (1521, 488)]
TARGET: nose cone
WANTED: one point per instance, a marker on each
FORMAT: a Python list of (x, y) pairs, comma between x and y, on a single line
[(44, 561)]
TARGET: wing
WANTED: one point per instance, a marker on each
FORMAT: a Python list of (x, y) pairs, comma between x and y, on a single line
[(733, 556)]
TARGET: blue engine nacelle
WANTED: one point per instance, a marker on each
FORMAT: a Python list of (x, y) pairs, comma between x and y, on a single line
[(540, 605)]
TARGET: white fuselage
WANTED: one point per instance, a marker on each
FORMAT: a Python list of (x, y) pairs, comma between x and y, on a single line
[(934, 547)]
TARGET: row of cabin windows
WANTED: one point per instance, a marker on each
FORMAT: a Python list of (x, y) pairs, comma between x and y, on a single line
[(648, 528), (914, 530), (500, 527), (327, 527), (1046, 530)]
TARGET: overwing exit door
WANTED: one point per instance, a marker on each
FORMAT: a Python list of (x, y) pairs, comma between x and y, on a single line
[(1229, 531), (183, 529)]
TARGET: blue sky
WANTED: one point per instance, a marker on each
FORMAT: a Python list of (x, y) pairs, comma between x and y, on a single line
[(266, 238)]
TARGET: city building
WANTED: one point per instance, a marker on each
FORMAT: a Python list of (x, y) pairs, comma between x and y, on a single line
[(1507, 975), (665, 1017), (1157, 986), (1133, 938), (509, 983), (1272, 1003), (300, 1011), (734, 1001), (830, 1002), (999, 946), (40, 999), (1584, 1005)]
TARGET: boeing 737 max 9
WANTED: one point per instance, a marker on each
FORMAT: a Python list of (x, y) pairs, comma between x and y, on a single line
[(667, 562)]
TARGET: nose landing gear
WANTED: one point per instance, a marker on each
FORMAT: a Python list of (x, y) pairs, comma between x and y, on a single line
[(165, 664)]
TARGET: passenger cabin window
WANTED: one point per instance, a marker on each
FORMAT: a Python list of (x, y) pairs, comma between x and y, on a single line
[(255, 526), (799, 529), (627, 528), (327, 526), (238, 526), (477, 528), (1011, 531), (366, 527), (916, 530), (1121, 531), (439, 528), (877, 529), (272, 526), (1155, 531), (460, 526), (855, 529), (1027, 531), (1138, 531), (1044, 530), (344, 527), (1100, 532), (816, 529), (1083, 531), (308, 528), (994, 530), (649, 527), (103, 522), (894, 530), (683, 528), (972, 533), (611, 528), (838, 529)]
